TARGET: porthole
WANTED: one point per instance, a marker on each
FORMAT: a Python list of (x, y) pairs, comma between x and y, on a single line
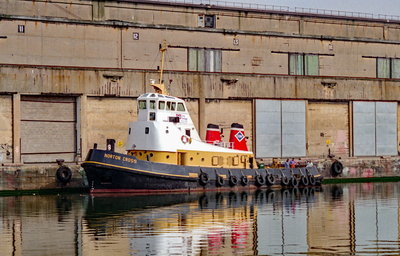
[(140, 153), (191, 159), (167, 156), (202, 159), (151, 155)]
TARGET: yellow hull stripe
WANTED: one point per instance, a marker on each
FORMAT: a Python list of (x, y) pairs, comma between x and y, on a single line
[(133, 169)]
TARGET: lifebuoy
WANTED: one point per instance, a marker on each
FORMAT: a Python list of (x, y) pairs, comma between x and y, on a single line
[(284, 181), (244, 180), (336, 168), (185, 139), (260, 180), (233, 180), (294, 182), (64, 174), (312, 180), (270, 179), (220, 181), (203, 178), (304, 180)]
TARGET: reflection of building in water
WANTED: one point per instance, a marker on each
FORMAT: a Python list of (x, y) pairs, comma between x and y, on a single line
[(39, 225), (341, 219), (282, 223), (331, 226), (354, 218)]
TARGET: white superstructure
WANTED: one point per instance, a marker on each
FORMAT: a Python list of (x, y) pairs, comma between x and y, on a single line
[(164, 124)]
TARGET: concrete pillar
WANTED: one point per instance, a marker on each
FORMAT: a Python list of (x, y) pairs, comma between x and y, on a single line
[(301, 26), (202, 109), (16, 113), (98, 12), (83, 139)]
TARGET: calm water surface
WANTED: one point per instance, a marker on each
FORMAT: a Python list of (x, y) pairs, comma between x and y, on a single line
[(357, 219)]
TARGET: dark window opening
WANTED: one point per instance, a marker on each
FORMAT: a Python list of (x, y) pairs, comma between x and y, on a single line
[(146, 130), (187, 132), (209, 21), (152, 116), (173, 119)]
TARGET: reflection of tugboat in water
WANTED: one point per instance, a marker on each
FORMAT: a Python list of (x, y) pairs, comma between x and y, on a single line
[(165, 153)]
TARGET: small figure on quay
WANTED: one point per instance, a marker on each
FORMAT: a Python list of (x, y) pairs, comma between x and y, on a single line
[(275, 163), (309, 163), (287, 163), (292, 163)]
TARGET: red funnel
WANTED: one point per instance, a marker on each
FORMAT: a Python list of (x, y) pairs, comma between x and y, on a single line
[(213, 134), (237, 137)]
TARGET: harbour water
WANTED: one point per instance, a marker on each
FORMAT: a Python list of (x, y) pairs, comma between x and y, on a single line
[(357, 219)]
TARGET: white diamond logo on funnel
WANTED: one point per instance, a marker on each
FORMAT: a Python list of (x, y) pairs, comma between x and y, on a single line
[(239, 136)]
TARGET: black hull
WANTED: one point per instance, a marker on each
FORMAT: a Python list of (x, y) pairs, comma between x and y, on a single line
[(108, 171)]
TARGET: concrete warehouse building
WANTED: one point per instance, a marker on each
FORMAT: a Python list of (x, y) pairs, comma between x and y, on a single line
[(302, 84)]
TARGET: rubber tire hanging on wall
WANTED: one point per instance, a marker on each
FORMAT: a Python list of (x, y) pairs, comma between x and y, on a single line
[(64, 174), (336, 168)]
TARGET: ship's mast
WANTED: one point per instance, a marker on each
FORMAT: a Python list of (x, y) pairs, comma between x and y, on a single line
[(160, 87)]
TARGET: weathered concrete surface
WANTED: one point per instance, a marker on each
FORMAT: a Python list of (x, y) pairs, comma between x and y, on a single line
[(363, 167), (37, 177)]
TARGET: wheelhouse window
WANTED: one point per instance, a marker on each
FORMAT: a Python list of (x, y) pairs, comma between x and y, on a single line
[(152, 104), (204, 60), (304, 64), (181, 107), (387, 68), (161, 105), (142, 104)]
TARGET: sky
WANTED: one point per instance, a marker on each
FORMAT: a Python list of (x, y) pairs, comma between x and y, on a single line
[(386, 7)]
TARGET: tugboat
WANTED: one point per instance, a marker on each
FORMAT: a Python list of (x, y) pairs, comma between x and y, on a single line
[(165, 153)]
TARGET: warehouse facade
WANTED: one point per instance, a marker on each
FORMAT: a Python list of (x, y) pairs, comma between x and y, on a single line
[(303, 85)]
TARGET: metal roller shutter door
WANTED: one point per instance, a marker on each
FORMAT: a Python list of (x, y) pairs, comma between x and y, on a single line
[(386, 128), (293, 128), (268, 128), (375, 128), (364, 128), (280, 128), (48, 129)]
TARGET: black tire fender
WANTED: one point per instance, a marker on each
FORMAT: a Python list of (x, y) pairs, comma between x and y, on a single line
[(294, 182), (270, 179), (284, 181), (312, 180), (260, 180), (233, 180), (203, 178), (220, 181), (336, 168), (244, 180), (64, 174), (304, 181)]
